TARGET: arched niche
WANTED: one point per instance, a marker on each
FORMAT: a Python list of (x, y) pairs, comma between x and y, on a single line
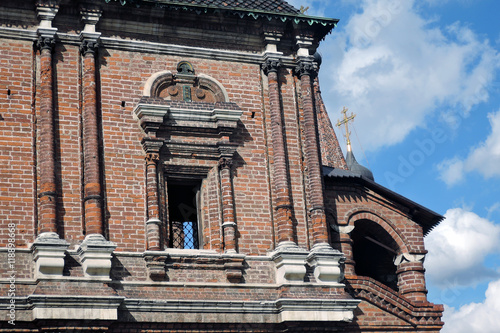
[(187, 103), (374, 251), (185, 85)]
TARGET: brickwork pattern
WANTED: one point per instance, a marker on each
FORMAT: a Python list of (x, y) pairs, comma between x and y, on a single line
[(17, 179)]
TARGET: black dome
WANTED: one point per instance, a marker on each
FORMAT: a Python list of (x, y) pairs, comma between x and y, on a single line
[(357, 168)]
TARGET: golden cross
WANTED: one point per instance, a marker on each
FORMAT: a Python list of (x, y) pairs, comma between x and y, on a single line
[(345, 122)]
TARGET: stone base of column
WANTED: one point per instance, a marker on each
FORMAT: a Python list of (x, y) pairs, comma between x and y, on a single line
[(327, 264), (95, 256), (290, 263), (48, 253)]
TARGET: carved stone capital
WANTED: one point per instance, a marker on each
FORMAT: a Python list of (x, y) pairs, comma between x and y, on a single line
[(152, 157), (271, 65), (225, 163), (306, 66), (46, 43), (89, 46)]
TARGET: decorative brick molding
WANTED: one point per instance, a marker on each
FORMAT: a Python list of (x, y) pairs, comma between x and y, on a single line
[(160, 262), (422, 315)]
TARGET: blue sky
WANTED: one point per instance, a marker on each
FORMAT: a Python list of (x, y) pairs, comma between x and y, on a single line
[(423, 78)]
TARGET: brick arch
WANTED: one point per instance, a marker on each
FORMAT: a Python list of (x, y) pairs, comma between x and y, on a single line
[(160, 80), (366, 214)]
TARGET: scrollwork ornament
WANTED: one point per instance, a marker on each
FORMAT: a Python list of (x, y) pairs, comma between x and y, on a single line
[(89, 46), (225, 163), (46, 43), (306, 67), (152, 157), (271, 65)]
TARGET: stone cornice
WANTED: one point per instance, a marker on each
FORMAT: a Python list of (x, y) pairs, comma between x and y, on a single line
[(150, 47)]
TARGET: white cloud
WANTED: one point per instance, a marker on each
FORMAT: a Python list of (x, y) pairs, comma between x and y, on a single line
[(476, 317), (485, 158), (393, 68), (451, 171), (458, 247)]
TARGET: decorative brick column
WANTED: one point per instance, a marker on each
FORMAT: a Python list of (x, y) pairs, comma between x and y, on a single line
[(325, 260), (411, 278), (280, 175), (91, 169), (48, 249), (229, 224), (306, 69), (95, 251), (288, 257), (47, 195), (153, 222)]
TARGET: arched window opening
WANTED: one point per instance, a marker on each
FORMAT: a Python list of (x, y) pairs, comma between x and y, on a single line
[(374, 251)]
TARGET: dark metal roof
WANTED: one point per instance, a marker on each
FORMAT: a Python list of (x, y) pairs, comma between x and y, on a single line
[(270, 6), (252, 8), (425, 217), (275, 6)]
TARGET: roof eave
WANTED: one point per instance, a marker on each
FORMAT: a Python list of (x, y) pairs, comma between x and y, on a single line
[(425, 217), (243, 12)]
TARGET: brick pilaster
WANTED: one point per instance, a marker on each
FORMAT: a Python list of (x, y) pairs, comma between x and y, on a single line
[(153, 223), (280, 175), (229, 221), (91, 171), (46, 151), (306, 69)]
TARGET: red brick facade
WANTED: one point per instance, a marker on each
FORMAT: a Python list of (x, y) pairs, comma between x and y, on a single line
[(110, 114)]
